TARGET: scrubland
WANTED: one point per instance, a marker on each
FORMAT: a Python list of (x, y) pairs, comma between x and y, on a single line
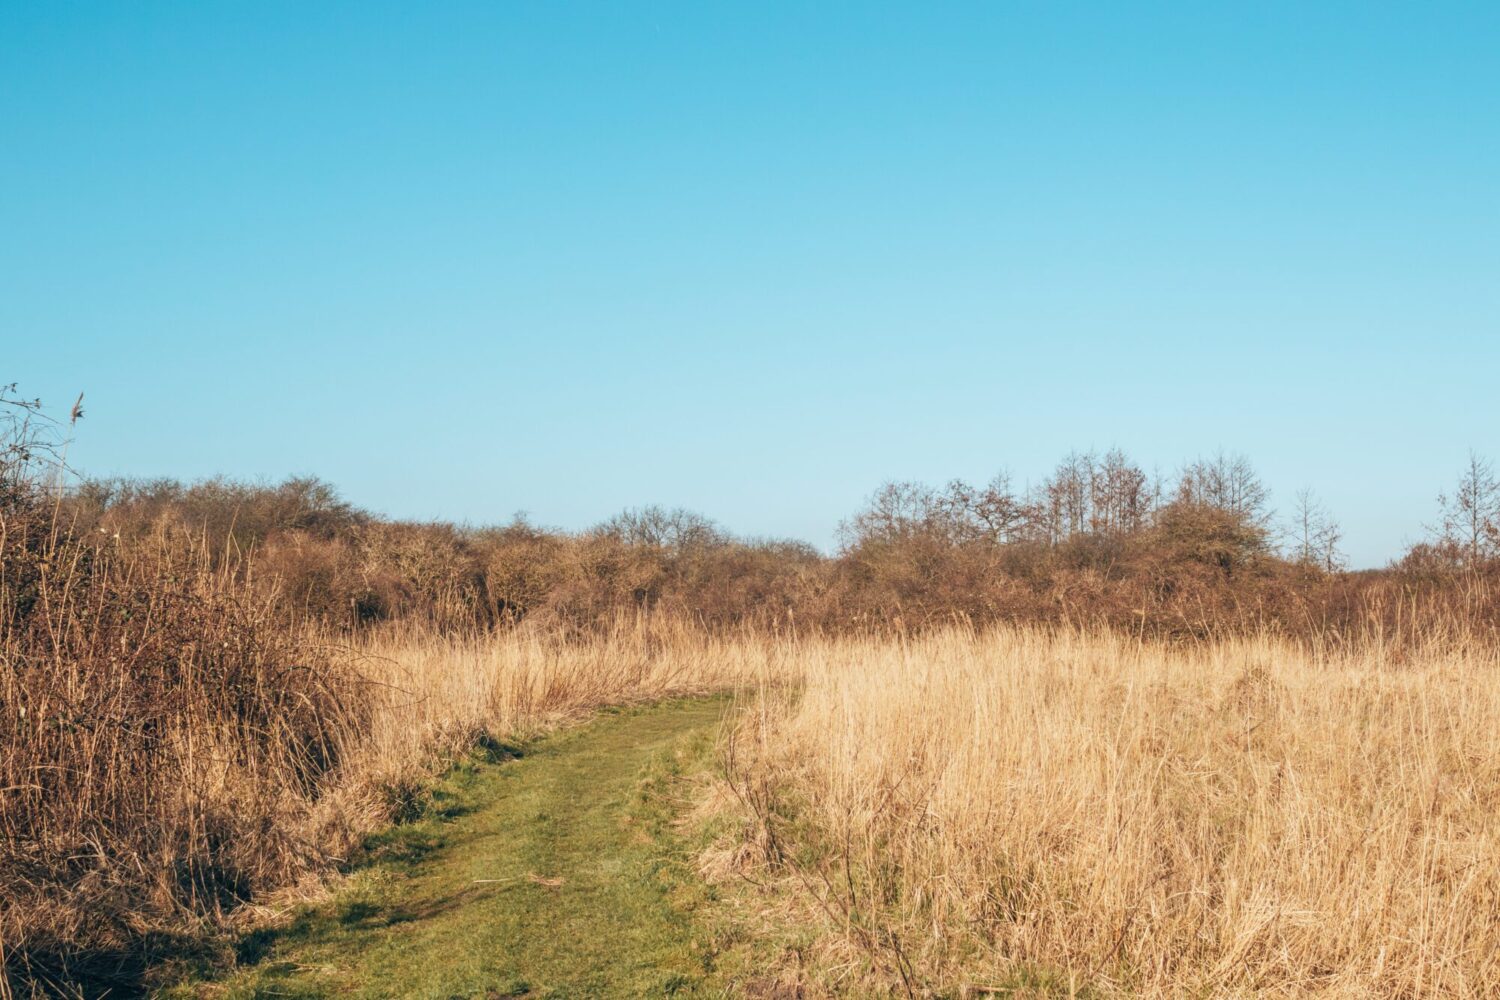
[(1106, 736), (1007, 807)]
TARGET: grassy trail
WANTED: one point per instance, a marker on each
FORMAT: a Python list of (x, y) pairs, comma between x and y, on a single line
[(548, 874)]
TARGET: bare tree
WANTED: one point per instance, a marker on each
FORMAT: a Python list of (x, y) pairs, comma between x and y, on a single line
[(896, 511), (964, 513), (1068, 496), (999, 510), (1121, 495), (675, 529), (1471, 515), (954, 513), (28, 436), (1230, 483), (960, 514), (1316, 535)]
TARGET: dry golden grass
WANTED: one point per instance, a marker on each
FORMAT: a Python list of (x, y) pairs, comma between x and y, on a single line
[(213, 756), (1065, 811), (435, 694), (1014, 808)]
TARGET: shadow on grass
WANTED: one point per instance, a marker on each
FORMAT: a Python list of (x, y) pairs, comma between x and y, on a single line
[(158, 961), (371, 900), (123, 974)]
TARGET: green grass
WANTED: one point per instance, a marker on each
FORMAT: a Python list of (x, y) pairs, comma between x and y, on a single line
[(544, 871)]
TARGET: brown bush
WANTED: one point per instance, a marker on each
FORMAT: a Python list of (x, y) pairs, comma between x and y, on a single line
[(165, 735)]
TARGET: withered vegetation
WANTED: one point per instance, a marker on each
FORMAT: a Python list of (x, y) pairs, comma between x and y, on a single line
[(209, 692)]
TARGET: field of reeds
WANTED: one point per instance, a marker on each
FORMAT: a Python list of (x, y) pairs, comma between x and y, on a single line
[(1075, 811)]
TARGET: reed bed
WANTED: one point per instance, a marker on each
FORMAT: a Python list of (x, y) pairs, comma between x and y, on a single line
[(1069, 811)]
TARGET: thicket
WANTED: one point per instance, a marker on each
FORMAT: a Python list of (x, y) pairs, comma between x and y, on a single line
[(166, 733), (1098, 542)]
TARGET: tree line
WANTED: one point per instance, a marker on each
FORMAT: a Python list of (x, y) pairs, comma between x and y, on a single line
[(1101, 539)]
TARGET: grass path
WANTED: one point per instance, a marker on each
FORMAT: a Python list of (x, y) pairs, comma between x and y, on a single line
[(550, 873)]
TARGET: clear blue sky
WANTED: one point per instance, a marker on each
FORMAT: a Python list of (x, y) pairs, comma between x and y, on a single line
[(465, 259)]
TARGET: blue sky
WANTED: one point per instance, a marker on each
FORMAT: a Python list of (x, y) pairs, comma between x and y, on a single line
[(465, 259)]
